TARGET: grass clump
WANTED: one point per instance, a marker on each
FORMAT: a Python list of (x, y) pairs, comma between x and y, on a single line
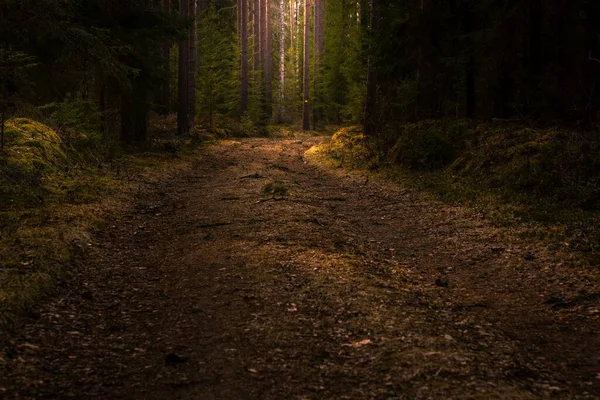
[(33, 150), (275, 189)]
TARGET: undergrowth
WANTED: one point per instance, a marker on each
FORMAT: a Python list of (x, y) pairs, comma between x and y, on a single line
[(56, 184), (541, 182)]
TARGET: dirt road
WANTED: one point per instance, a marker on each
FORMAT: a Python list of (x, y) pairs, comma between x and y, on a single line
[(262, 275)]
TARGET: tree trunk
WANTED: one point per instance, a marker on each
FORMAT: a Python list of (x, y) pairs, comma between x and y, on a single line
[(140, 114), (192, 64), (239, 16), (134, 112), (281, 59), (166, 87), (420, 61), (244, 56), (292, 25), (4, 87), (102, 103), (319, 44), (126, 118), (265, 16), (306, 52), (256, 33), (2, 120), (183, 126), (370, 117)]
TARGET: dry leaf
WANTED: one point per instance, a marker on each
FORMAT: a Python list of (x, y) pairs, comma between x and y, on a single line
[(358, 344), (28, 346)]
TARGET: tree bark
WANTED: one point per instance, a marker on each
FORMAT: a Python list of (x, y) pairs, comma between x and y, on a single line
[(192, 64), (319, 45), (256, 33), (244, 80), (370, 117), (166, 87), (183, 126), (265, 16), (126, 118), (281, 59), (420, 61), (306, 69)]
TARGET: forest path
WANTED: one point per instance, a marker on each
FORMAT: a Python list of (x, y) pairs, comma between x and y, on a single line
[(339, 289)]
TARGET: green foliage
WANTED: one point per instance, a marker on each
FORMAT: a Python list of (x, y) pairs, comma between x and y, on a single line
[(217, 85), (423, 146), (344, 68), (551, 163), (72, 53), (75, 114)]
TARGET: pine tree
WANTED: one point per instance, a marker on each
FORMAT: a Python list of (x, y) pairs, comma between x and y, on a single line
[(370, 118), (306, 67), (244, 66), (183, 106)]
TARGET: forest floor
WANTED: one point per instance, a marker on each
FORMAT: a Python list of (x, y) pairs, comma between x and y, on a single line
[(263, 273)]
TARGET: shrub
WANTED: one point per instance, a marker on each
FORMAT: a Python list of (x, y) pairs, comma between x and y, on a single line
[(423, 147)]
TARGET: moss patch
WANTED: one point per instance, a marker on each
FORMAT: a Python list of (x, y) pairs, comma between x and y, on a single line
[(53, 195), (540, 182)]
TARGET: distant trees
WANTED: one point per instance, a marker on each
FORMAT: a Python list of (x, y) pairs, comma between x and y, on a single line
[(487, 59), (218, 84), (81, 53), (165, 96), (375, 62)]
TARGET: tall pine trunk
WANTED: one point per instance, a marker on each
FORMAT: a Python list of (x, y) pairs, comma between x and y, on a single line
[(183, 126), (306, 69), (422, 28), (319, 47), (256, 33), (265, 35), (370, 117), (192, 64), (166, 86), (244, 80), (281, 60)]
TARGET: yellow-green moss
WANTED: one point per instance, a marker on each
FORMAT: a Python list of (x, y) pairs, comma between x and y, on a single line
[(32, 145)]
